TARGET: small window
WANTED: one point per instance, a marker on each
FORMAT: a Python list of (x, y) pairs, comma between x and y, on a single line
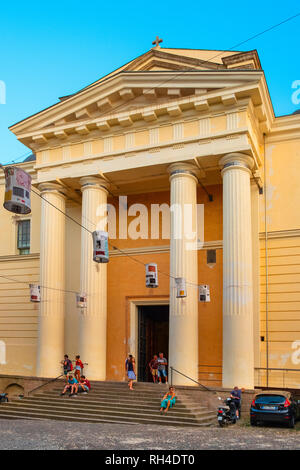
[(211, 256), (24, 237)]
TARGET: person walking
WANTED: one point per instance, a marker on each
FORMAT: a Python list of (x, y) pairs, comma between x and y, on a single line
[(153, 365), (162, 365), (130, 369)]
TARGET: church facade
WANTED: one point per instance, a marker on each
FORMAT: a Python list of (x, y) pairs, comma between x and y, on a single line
[(180, 156)]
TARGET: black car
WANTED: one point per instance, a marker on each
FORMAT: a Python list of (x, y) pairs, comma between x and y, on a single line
[(275, 407)]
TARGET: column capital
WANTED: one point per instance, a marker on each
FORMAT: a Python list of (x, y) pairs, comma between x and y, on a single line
[(53, 188), (237, 160), (93, 182), (183, 169)]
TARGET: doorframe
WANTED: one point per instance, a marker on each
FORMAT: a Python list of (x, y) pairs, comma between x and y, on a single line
[(134, 304)]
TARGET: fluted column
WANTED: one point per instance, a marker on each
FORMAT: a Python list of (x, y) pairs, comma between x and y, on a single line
[(238, 355), (52, 276), (93, 281), (183, 320)]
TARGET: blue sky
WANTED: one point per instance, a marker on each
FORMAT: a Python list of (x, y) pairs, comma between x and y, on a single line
[(50, 49)]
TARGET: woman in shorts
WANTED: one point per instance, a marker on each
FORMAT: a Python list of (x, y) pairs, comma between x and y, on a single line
[(130, 369)]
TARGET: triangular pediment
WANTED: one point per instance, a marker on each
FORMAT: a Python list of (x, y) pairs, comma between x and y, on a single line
[(153, 85)]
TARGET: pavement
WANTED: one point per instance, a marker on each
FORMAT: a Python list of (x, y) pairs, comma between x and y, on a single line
[(60, 435)]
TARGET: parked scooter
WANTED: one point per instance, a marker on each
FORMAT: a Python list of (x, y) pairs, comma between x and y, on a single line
[(227, 414), (3, 397)]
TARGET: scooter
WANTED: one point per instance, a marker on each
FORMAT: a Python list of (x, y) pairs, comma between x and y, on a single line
[(3, 397), (227, 414)]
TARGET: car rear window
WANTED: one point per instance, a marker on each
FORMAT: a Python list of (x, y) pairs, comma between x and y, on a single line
[(270, 399)]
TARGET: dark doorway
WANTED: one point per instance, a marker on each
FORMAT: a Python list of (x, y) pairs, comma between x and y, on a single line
[(153, 330)]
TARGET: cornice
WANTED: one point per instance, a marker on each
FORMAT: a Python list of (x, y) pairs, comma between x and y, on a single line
[(284, 128), (20, 257), (154, 79), (276, 234)]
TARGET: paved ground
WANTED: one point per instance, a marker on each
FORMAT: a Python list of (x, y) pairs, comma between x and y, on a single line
[(58, 435)]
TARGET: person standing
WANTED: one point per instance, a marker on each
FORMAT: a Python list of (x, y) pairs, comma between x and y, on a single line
[(153, 365), (236, 395), (130, 369), (162, 367), (68, 366), (78, 367)]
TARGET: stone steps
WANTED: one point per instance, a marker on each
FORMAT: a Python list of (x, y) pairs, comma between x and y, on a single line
[(107, 402), (82, 406), (97, 404), (86, 412)]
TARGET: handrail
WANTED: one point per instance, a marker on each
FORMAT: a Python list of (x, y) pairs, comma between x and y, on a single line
[(46, 383), (273, 368), (195, 381)]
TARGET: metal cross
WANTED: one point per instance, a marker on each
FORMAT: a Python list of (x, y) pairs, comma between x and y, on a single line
[(157, 41)]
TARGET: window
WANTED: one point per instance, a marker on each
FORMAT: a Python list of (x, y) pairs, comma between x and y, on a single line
[(211, 257), (24, 237)]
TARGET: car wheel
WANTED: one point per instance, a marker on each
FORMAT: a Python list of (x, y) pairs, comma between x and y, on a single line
[(253, 422), (291, 422)]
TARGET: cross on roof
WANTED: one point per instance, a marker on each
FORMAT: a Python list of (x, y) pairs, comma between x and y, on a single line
[(157, 41)]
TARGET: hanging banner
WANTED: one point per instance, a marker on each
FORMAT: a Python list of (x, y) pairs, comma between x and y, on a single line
[(100, 246), (35, 293), (204, 293), (181, 287), (151, 275), (17, 190), (81, 300)]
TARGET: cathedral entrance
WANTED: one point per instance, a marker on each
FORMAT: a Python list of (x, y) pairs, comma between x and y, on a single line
[(153, 337)]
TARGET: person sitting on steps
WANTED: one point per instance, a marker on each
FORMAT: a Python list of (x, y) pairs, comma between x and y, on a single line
[(168, 400), (83, 386), (71, 386)]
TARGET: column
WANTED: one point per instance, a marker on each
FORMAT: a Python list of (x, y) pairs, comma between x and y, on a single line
[(93, 280), (183, 320), (238, 356), (255, 270), (52, 280)]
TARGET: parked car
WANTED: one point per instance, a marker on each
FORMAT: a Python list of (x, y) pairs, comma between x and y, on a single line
[(275, 406)]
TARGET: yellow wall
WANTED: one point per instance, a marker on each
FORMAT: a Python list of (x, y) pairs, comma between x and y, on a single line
[(18, 316), (280, 279)]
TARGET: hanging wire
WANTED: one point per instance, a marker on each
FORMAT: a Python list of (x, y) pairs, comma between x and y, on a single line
[(183, 71), (188, 71), (44, 287), (190, 283)]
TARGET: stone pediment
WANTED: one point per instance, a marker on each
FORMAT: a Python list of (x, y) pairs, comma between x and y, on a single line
[(154, 85)]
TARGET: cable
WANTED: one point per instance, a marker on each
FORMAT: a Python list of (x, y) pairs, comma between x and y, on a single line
[(190, 283), (25, 155), (44, 287), (186, 71)]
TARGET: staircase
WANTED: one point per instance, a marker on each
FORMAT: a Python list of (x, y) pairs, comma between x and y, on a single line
[(107, 402)]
